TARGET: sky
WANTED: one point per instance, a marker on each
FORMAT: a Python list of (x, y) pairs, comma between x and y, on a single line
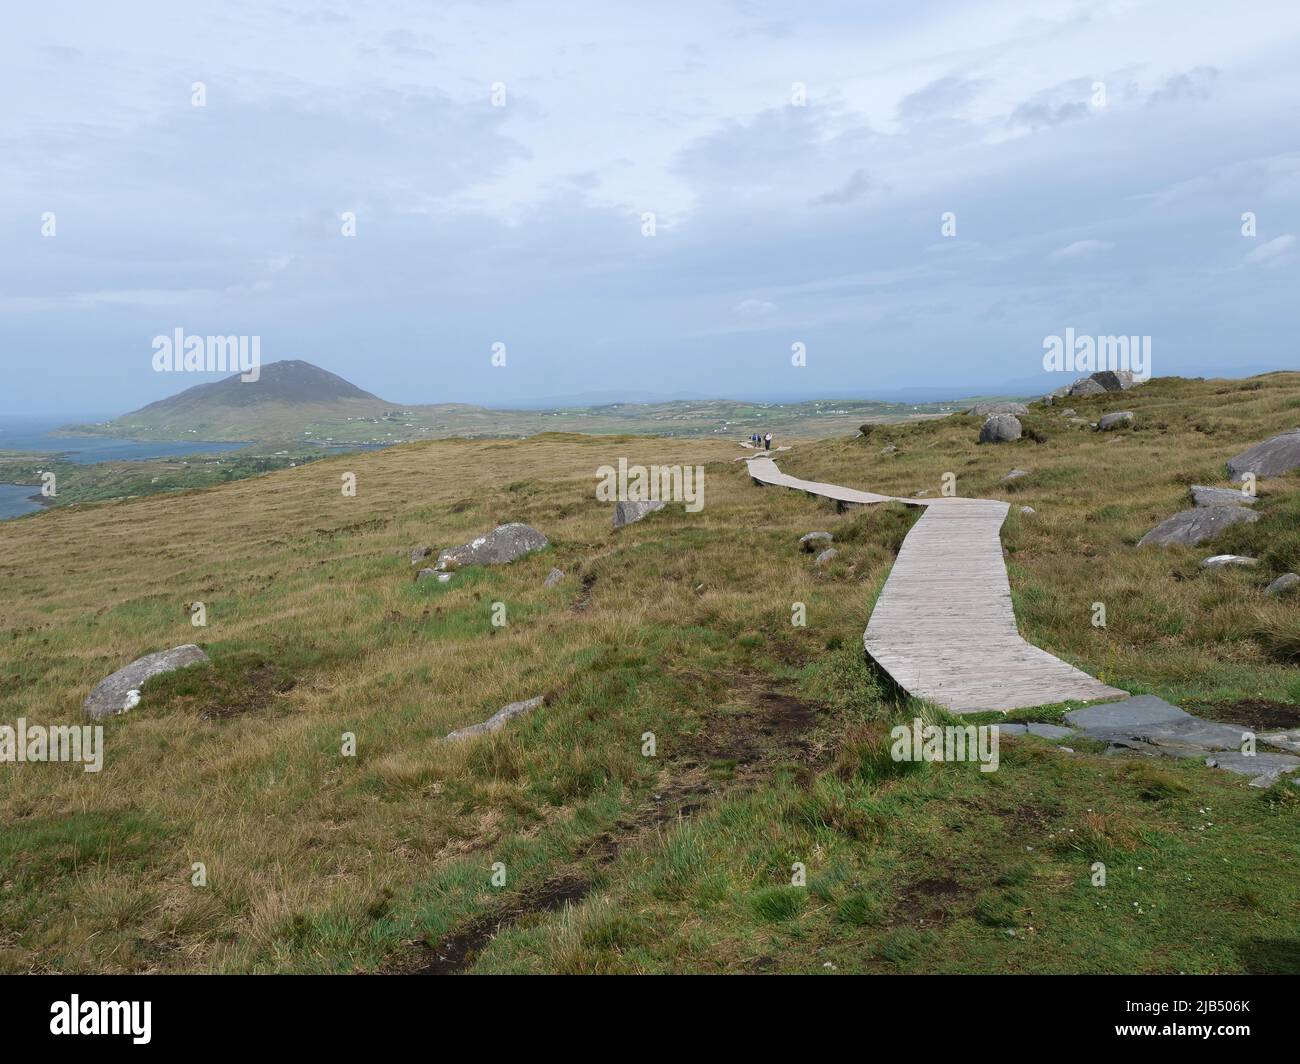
[(502, 162)]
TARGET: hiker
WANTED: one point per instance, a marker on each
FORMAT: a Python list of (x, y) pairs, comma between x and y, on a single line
[(767, 442)]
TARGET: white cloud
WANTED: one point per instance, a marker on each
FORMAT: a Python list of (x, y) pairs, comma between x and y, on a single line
[(1080, 249), (1273, 252)]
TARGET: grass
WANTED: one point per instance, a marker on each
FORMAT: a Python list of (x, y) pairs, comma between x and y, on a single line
[(769, 738)]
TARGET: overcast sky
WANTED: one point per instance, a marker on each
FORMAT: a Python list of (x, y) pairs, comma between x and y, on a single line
[(777, 221)]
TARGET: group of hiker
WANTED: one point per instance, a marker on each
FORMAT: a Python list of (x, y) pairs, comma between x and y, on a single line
[(764, 441)]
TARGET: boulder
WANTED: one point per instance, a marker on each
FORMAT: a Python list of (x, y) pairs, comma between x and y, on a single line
[(1115, 420), (1084, 387), (503, 544), (626, 513), (1203, 496), (498, 719), (1222, 561), (120, 691), (813, 540), (986, 409), (825, 556), (1285, 583), (1192, 527), (1000, 428), (1271, 458), (554, 577), (1114, 380)]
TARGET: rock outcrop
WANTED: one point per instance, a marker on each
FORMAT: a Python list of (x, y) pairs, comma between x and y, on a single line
[(503, 544), (498, 719), (1203, 496), (1272, 458), (120, 691)]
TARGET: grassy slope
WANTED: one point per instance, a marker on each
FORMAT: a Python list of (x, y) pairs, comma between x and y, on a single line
[(770, 735)]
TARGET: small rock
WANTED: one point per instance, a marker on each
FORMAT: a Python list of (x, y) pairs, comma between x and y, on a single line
[(419, 554), (425, 574), (1115, 420), (1028, 510), (553, 577), (1283, 584), (889, 449), (1203, 496), (1220, 561), (813, 540), (503, 544), (1016, 474), (1193, 527), (1000, 428), (626, 513), (1069, 411), (825, 556), (121, 691)]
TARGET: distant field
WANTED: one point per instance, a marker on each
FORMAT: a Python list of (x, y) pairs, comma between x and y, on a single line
[(713, 417), (771, 739)]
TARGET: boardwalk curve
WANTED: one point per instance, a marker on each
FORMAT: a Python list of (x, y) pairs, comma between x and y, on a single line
[(944, 627)]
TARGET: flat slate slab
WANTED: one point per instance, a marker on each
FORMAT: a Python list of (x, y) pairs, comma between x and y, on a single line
[(1203, 496), (1271, 458), (1133, 712), (1050, 731), (1193, 527), (1261, 764)]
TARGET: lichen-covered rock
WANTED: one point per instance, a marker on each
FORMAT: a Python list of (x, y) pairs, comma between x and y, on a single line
[(419, 554), (1222, 561), (503, 544), (1114, 380), (1000, 428), (1193, 527), (120, 691), (1116, 420), (554, 577)]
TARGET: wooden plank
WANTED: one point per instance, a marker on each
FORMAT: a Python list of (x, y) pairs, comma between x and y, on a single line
[(944, 627)]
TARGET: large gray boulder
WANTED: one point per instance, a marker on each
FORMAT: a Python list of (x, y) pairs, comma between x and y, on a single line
[(1000, 428), (1193, 527), (626, 513), (1203, 496), (985, 409), (1086, 386), (1271, 458), (498, 719), (503, 544), (1114, 380), (1116, 420), (120, 691)]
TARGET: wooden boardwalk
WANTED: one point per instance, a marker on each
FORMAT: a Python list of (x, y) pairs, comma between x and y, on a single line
[(944, 627)]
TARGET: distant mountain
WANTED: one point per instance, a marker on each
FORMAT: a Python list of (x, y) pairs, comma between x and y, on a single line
[(288, 396)]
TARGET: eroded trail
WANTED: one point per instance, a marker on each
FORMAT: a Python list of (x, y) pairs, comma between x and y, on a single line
[(944, 627)]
